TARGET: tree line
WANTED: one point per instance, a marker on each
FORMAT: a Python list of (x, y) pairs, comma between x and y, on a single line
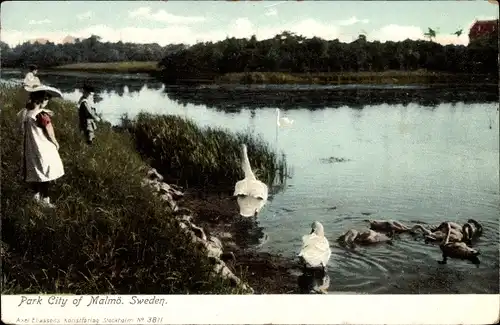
[(291, 53), (87, 50), (286, 52)]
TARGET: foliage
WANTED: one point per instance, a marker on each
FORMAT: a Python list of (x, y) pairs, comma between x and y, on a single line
[(108, 234), (202, 157), (290, 53), (86, 50)]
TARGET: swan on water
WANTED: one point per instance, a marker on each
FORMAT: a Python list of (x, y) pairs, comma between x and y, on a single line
[(315, 251), (252, 193), (458, 250), (282, 121)]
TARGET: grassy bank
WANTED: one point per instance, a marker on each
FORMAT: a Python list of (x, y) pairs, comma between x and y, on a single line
[(202, 157), (108, 234), (111, 67), (383, 77)]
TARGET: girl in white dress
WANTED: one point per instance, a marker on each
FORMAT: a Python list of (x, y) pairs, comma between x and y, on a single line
[(41, 161)]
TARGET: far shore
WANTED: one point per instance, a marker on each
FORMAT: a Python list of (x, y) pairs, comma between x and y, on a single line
[(400, 77)]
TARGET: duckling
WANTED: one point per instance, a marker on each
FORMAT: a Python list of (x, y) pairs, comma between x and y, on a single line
[(369, 237), (471, 230), (438, 235), (388, 226), (458, 250), (442, 226), (348, 238)]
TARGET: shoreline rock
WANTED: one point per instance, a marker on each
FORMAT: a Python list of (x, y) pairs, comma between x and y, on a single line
[(212, 245)]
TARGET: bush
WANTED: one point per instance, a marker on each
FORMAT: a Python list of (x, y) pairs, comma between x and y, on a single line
[(202, 157), (108, 234)]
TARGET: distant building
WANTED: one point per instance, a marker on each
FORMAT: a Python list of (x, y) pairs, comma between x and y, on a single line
[(69, 40), (482, 28), (39, 41)]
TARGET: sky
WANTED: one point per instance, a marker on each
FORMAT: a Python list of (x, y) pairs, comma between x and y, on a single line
[(188, 22)]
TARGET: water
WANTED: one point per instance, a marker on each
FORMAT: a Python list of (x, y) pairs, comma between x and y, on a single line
[(408, 162)]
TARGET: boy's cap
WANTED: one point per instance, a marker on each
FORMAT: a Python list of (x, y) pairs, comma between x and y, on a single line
[(88, 88)]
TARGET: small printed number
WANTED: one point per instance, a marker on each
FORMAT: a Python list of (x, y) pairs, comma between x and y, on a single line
[(154, 320)]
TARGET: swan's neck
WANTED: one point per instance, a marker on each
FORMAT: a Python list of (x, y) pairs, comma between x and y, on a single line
[(247, 169), (426, 231), (277, 114), (447, 238)]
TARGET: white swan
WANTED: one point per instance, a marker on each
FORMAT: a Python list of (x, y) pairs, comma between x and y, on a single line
[(282, 121), (252, 193), (316, 250)]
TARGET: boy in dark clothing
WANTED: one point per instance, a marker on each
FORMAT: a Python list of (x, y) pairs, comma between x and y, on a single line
[(87, 114)]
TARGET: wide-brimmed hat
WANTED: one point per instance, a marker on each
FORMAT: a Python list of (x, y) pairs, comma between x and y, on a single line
[(54, 92)]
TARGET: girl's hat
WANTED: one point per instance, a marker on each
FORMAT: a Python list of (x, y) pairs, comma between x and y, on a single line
[(54, 92), (32, 67)]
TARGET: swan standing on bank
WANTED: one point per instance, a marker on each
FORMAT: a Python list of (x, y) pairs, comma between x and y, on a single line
[(252, 193), (282, 121), (316, 250)]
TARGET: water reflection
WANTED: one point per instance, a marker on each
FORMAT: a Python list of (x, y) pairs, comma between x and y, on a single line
[(234, 98), (313, 281), (105, 84)]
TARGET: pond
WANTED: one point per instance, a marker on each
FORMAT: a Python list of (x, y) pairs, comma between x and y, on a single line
[(413, 154)]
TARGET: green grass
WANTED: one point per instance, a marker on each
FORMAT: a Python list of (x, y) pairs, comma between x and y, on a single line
[(202, 157), (108, 234), (383, 77), (114, 67)]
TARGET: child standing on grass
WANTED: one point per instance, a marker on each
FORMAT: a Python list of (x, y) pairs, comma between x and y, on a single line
[(41, 161), (87, 114)]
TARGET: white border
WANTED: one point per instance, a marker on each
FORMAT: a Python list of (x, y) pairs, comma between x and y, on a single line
[(259, 309)]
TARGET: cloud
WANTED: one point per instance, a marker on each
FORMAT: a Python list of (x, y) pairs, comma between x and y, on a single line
[(164, 16), (271, 12), (352, 21), (39, 22), (238, 27), (274, 4), (85, 15), (393, 32)]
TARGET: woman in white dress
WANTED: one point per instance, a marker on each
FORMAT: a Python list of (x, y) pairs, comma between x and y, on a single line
[(41, 161)]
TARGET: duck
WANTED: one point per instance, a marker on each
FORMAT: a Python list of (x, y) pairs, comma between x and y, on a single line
[(471, 230), (251, 193), (388, 226), (458, 250), (368, 237), (438, 235), (282, 121), (315, 251)]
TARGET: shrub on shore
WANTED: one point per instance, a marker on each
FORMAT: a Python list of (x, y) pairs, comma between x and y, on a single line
[(202, 157), (108, 234)]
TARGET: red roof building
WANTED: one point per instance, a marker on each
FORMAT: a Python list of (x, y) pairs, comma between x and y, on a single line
[(482, 28)]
